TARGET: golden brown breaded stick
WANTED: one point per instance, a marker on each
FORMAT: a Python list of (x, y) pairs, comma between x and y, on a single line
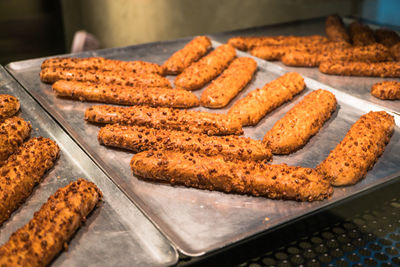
[(221, 174), (126, 95), (22, 171), (137, 139), (335, 29), (51, 75), (301, 122), (166, 118), (223, 89), (52, 226), (247, 43), (386, 90), (13, 132), (361, 34), (357, 68), (100, 63), (190, 53), (207, 68), (357, 153), (258, 103), (9, 105), (387, 37), (395, 51)]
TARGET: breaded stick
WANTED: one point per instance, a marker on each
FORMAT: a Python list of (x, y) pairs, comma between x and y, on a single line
[(137, 139), (357, 68), (387, 37), (207, 68), (223, 89), (13, 132), (51, 75), (221, 174), (258, 103), (386, 90), (100, 63), (335, 29), (190, 53), (126, 95), (395, 51), (22, 171), (166, 118), (301, 122), (9, 105), (47, 233), (360, 34), (357, 153)]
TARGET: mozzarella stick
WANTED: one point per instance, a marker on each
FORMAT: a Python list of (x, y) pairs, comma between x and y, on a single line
[(166, 118), (137, 139), (207, 68), (22, 171), (190, 53), (387, 37), (231, 176), (358, 68), (13, 132), (126, 95), (223, 89), (258, 103), (360, 34), (300, 123), (395, 51), (9, 105), (51, 75), (335, 29), (357, 153), (52, 226), (386, 90)]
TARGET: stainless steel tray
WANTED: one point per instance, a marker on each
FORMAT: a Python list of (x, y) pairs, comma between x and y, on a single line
[(117, 233), (199, 221)]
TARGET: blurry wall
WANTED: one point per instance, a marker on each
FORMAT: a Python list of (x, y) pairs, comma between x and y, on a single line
[(382, 11)]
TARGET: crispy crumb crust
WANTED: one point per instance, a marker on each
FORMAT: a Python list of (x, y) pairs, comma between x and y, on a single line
[(335, 29), (9, 105), (386, 90), (361, 34), (358, 68)]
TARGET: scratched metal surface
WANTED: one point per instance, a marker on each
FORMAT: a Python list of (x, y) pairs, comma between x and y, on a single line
[(116, 233)]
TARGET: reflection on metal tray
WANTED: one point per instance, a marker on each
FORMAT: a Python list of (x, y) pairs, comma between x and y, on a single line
[(199, 221), (116, 233)]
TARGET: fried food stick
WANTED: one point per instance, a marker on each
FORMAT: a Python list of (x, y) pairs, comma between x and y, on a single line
[(335, 29), (258, 103), (387, 37), (357, 153), (360, 34), (100, 63), (126, 95), (22, 171), (137, 139), (9, 105), (386, 90), (13, 132), (358, 68), (395, 51), (190, 53), (221, 174), (301, 122), (52, 226), (207, 68), (223, 89), (51, 75), (166, 118)]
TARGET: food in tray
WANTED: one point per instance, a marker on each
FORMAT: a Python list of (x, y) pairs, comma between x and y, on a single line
[(9, 105), (395, 51), (126, 95), (361, 34), (335, 29), (166, 118), (255, 105), (13, 132), (301, 122), (207, 68), (100, 63), (190, 53), (224, 88), (51, 75), (218, 173), (386, 90), (387, 37), (357, 153), (47, 233), (137, 139), (22, 171), (358, 68)]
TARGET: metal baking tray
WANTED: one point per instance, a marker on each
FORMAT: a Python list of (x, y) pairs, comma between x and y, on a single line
[(200, 221), (359, 87), (116, 233)]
